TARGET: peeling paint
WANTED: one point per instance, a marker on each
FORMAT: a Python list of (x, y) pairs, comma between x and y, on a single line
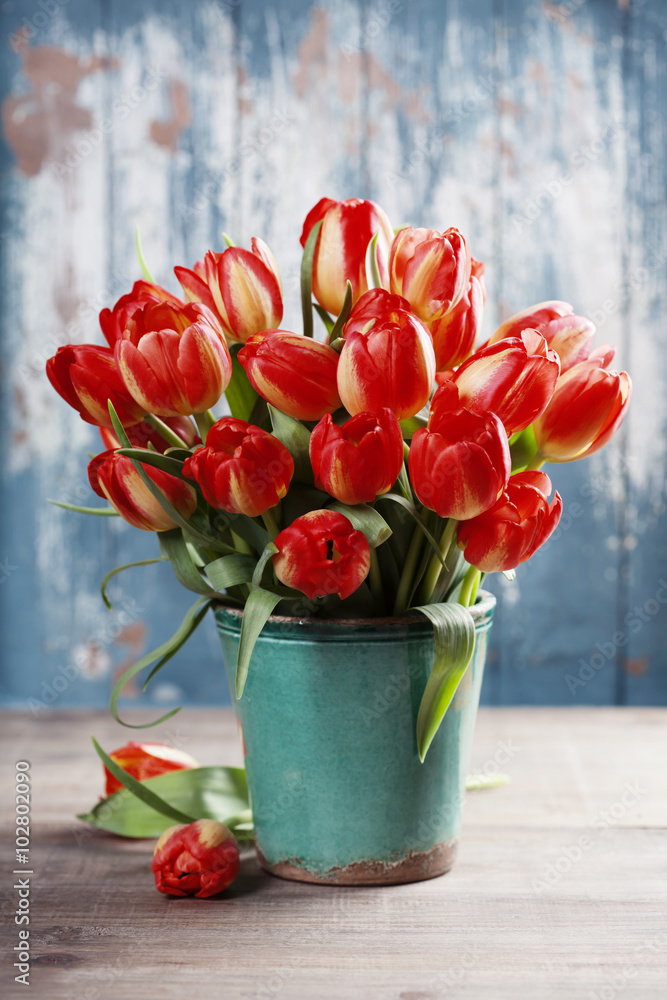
[(167, 133)]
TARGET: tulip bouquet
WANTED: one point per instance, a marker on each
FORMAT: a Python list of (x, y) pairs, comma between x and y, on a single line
[(384, 465)]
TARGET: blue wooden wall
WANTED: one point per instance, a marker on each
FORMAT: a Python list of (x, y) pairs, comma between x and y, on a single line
[(536, 128)]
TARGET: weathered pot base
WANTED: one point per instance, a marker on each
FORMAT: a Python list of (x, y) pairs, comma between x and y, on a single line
[(415, 867)]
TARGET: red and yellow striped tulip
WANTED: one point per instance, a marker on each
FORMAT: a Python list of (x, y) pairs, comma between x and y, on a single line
[(113, 321), (147, 760), (430, 269), (321, 553), (86, 377), (114, 477), (360, 460), (195, 859)]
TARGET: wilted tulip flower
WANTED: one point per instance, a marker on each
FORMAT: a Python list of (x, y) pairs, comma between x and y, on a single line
[(430, 269), (142, 434), (86, 377), (514, 378), (293, 373), (340, 252), (587, 408), (321, 553), (392, 365), (242, 469), (360, 460), (174, 359), (455, 333), (114, 477), (196, 859), (514, 528), (241, 287), (460, 463), (113, 321), (147, 760)]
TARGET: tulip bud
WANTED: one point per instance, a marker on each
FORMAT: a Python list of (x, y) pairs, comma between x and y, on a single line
[(340, 251), (514, 378), (113, 321), (197, 859), (321, 553), (115, 477), (360, 460), (392, 365), (142, 434), (514, 528), (586, 410), (430, 269), (86, 377), (242, 289), (460, 463), (293, 373), (374, 307), (533, 318), (147, 760), (455, 333), (174, 359), (242, 469)]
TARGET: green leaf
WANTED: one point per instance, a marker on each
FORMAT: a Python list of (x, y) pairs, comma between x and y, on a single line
[(172, 543), (343, 315), (372, 272), (228, 240), (240, 395), (138, 789), (165, 463), (454, 632), (296, 438), (523, 449), (203, 792), (118, 427), (256, 613), (307, 279), (325, 317), (142, 261), (267, 554), (412, 511), (120, 569), (230, 571), (163, 653), (366, 519), (102, 511), (411, 424)]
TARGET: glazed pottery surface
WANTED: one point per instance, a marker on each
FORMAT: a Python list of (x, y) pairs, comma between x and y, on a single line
[(329, 716)]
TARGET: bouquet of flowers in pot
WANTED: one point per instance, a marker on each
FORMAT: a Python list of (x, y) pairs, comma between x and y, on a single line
[(379, 464)]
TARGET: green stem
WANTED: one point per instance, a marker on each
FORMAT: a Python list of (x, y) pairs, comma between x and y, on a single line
[(435, 566), (535, 463), (469, 587), (375, 579), (171, 437), (270, 524), (204, 421), (240, 544), (405, 583)]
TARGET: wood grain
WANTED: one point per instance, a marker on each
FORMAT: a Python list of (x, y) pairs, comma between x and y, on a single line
[(548, 898)]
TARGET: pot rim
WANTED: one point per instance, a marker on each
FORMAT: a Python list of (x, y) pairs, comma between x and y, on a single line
[(481, 613)]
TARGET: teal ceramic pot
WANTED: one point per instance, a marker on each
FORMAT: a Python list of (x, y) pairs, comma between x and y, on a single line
[(329, 717)]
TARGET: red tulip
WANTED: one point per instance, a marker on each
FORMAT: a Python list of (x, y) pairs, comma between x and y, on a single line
[(392, 365), (568, 335), (360, 460), (293, 373), (587, 408), (147, 760), (114, 477), (455, 333), (430, 269), (174, 359), (321, 553), (197, 859), (86, 377), (113, 321), (242, 469), (141, 434), (340, 252), (514, 378), (374, 307), (460, 463), (241, 287), (514, 528)]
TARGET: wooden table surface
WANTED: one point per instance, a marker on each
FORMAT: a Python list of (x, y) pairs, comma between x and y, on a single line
[(559, 890)]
